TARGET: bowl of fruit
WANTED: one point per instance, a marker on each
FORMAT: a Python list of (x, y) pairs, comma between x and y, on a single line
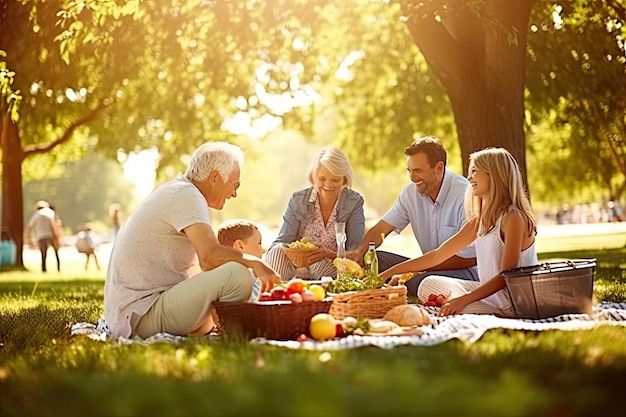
[(299, 252)]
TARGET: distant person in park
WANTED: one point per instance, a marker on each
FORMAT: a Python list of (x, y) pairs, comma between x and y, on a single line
[(615, 212), (41, 231), (85, 244), (167, 267), (313, 212), (115, 218), (502, 226), (432, 203), (245, 237)]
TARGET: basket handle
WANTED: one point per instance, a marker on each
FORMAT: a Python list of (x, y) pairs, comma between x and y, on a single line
[(556, 266), (571, 263)]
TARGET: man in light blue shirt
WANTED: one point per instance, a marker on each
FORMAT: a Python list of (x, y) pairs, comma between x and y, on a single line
[(433, 205)]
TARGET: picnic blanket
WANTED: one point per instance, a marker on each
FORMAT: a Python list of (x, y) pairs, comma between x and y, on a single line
[(466, 327)]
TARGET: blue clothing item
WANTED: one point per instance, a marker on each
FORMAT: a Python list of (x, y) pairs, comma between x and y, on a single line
[(432, 222), (300, 211), (256, 289)]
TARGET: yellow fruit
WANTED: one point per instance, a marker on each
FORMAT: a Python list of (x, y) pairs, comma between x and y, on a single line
[(322, 327), (350, 266), (303, 243), (318, 291)]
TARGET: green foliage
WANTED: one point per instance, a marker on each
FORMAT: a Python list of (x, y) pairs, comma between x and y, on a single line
[(9, 99), (575, 95)]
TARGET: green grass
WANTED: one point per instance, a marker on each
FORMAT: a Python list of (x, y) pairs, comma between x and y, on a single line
[(45, 371)]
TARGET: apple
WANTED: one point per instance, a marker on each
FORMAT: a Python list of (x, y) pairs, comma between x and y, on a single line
[(339, 332), (322, 327), (295, 285), (440, 300), (318, 291), (432, 297)]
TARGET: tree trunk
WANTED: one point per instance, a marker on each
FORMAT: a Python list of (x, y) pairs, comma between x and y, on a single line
[(12, 198), (479, 58)]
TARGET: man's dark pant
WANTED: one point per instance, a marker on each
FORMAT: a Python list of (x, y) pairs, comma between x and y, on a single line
[(43, 248)]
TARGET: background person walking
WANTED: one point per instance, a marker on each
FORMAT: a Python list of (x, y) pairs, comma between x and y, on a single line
[(41, 231), (85, 245)]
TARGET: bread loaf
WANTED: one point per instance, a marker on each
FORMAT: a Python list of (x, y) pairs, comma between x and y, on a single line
[(408, 315)]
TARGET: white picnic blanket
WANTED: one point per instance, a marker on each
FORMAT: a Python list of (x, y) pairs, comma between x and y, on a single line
[(465, 327)]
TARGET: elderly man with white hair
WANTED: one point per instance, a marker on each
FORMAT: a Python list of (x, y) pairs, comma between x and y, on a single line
[(167, 267)]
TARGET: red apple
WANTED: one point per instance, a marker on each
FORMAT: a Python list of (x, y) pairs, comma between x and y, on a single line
[(295, 285), (340, 332), (440, 300), (432, 297)]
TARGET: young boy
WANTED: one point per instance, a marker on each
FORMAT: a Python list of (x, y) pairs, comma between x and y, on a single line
[(244, 237)]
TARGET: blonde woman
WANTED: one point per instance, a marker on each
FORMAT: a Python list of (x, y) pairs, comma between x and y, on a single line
[(314, 211), (502, 226)]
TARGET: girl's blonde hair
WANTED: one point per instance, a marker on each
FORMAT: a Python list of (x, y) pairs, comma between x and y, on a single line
[(334, 160), (506, 190)]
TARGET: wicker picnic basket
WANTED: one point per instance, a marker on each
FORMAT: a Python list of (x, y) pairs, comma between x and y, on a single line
[(373, 304), (299, 256), (280, 320)]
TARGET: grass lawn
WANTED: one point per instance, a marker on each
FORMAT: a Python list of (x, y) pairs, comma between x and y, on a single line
[(44, 371)]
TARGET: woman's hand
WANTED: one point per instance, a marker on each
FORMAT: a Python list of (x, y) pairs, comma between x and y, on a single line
[(453, 306), (320, 254)]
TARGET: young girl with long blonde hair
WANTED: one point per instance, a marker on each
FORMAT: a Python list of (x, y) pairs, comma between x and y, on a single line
[(502, 226)]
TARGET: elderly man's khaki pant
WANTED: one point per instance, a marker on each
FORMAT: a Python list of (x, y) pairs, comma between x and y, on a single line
[(186, 307)]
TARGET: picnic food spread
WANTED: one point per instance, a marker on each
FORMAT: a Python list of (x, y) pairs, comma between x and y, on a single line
[(355, 302), (295, 290)]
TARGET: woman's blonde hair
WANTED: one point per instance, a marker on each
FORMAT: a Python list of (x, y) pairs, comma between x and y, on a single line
[(505, 186), (334, 160)]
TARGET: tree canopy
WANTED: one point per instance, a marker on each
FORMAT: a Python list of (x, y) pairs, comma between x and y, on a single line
[(369, 76)]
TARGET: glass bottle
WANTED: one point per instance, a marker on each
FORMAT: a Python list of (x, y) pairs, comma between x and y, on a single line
[(340, 234), (371, 259)]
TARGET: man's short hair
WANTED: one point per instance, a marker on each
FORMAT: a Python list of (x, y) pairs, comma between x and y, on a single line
[(429, 146)]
